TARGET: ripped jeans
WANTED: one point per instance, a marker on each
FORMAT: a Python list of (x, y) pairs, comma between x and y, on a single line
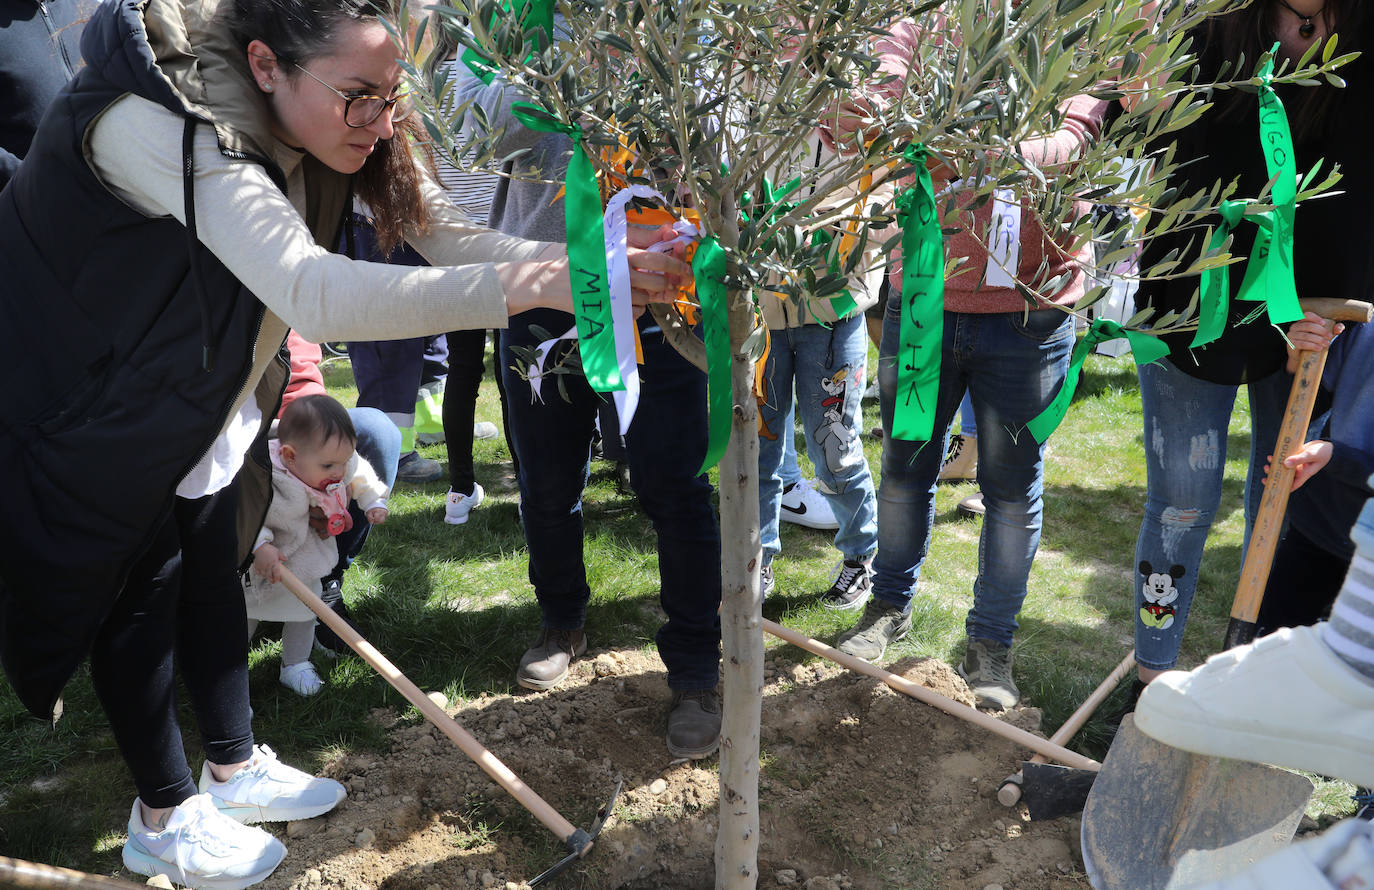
[(1186, 422)]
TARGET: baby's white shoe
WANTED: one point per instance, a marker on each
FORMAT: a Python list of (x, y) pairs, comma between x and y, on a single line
[(301, 678)]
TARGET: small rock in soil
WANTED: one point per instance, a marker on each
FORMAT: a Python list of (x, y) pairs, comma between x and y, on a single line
[(313, 877), (160, 881), (365, 838), (785, 877), (299, 828), (658, 786)]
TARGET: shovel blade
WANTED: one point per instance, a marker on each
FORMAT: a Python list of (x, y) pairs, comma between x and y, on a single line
[(1158, 818)]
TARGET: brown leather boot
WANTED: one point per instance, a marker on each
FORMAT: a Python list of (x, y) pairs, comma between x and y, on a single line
[(694, 724), (545, 664)]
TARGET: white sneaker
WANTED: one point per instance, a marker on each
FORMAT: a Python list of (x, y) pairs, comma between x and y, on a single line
[(1286, 699), (484, 429), (201, 848), (1340, 857), (459, 506), (961, 461), (267, 790), (803, 505), (301, 678)]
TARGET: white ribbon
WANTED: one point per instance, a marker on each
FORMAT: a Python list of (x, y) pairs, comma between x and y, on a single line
[(615, 229)]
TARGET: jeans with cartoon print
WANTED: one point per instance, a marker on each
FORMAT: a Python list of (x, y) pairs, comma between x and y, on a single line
[(1012, 364), (827, 367), (1186, 423)]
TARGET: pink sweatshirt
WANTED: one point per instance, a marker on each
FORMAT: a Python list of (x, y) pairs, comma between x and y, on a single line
[(1082, 122)]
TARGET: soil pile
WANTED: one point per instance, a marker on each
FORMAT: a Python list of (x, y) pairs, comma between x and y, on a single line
[(861, 788)]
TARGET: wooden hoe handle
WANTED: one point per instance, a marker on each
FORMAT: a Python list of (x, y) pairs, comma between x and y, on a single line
[(19, 874), (572, 836), (1051, 751), (1010, 792)]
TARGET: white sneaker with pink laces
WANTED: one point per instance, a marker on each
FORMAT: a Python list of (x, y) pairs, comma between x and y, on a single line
[(202, 848), (267, 790)]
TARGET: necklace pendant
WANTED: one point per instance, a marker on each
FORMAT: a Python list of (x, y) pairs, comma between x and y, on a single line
[(1307, 29)]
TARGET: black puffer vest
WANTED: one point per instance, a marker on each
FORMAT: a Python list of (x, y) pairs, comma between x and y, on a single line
[(126, 343)]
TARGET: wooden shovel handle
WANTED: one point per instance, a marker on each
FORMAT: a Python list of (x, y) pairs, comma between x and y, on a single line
[(474, 749), (1057, 753), (1338, 309), (1259, 556)]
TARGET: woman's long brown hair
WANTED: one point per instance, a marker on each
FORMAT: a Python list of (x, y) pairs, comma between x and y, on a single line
[(1248, 33), (300, 30)]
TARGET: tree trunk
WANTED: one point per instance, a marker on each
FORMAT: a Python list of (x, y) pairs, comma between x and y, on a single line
[(737, 841)]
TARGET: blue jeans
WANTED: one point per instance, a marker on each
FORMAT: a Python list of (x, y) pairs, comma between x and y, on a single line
[(379, 443), (968, 423), (1012, 369), (1186, 422), (666, 443), (828, 367)]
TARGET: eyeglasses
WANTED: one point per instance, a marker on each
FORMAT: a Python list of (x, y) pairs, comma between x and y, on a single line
[(360, 111)]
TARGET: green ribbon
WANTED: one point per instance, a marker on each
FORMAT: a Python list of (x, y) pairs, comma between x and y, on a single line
[(583, 213), (1270, 280), (923, 306), (708, 268), (1145, 348), (1215, 292), (537, 25), (584, 219)]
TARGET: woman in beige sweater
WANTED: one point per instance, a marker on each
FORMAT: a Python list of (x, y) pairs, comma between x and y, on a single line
[(166, 229)]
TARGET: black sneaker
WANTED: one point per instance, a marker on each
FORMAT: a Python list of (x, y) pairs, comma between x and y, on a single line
[(852, 586), (324, 637), (1364, 804)]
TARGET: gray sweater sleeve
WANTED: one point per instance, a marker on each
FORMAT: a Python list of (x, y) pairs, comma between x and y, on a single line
[(527, 201)]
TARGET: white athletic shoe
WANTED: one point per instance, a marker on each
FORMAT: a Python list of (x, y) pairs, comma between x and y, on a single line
[(1340, 857), (1286, 699), (802, 504), (267, 790), (201, 848), (460, 506), (301, 678)]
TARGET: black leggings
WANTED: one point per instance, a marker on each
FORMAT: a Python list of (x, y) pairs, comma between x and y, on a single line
[(182, 597), (466, 351)]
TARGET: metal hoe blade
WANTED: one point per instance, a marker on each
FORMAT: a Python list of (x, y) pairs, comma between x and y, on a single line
[(578, 842), (1051, 791), (1158, 818)]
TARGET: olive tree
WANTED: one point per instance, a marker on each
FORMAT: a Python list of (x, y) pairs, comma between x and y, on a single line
[(717, 102)]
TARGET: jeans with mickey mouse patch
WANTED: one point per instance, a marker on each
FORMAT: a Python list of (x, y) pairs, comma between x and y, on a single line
[(1186, 431)]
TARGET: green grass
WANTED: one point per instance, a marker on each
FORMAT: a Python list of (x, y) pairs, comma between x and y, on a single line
[(452, 607)]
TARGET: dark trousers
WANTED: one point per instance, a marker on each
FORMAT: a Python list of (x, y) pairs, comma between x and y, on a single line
[(1303, 583), (666, 444), (183, 597), (387, 371), (466, 354)]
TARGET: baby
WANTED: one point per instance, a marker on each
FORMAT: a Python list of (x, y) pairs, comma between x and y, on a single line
[(314, 465)]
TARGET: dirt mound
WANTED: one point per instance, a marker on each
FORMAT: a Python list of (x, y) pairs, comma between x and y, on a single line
[(861, 788)]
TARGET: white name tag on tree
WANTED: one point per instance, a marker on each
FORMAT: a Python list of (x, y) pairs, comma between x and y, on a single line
[(1004, 240)]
